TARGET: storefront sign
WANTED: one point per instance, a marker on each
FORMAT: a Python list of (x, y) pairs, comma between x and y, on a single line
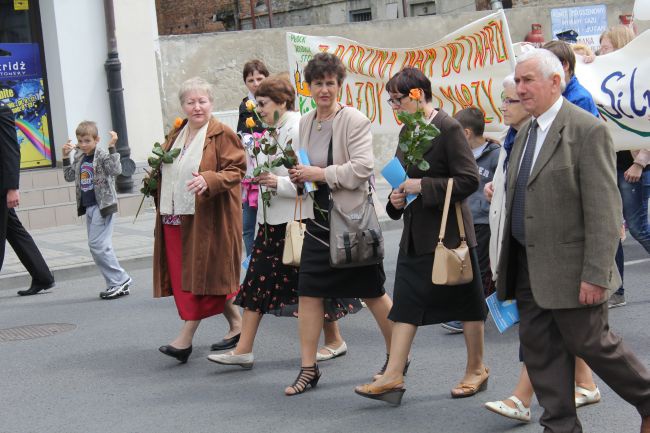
[(21, 5), (466, 69), (21, 86), (588, 21)]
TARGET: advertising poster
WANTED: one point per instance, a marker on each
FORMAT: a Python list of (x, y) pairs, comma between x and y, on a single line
[(22, 88)]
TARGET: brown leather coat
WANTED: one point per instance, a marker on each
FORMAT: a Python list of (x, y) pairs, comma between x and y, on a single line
[(212, 237)]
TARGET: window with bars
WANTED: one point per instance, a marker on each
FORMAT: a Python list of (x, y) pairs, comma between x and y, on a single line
[(360, 15)]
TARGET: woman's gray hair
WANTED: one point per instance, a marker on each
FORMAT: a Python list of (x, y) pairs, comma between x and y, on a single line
[(509, 81), (548, 62), (196, 84)]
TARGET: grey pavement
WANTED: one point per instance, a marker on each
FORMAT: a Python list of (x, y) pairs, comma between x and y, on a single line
[(106, 374)]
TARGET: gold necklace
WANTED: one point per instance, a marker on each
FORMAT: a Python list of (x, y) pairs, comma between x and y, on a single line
[(319, 122)]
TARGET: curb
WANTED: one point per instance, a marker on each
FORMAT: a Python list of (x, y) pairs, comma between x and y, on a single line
[(19, 280)]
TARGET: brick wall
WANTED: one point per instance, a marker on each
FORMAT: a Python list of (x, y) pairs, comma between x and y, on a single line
[(519, 3), (195, 16)]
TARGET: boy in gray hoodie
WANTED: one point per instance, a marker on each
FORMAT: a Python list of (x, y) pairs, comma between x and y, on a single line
[(93, 171)]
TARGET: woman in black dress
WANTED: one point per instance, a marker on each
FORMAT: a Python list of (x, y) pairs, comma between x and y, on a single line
[(339, 145), (417, 301), (270, 287)]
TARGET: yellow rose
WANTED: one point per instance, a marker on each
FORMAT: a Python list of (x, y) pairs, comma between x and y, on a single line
[(250, 123), (178, 122), (250, 105)]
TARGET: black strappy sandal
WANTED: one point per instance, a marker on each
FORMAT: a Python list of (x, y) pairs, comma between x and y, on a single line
[(307, 376)]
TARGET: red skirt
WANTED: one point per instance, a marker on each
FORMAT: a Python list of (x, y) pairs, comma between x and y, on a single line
[(190, 306)]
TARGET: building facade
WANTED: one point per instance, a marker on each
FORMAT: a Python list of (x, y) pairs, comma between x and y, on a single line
[(52, 74), (199, 16)]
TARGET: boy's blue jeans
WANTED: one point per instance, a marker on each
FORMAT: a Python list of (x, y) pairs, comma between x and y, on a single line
[(100, 234)]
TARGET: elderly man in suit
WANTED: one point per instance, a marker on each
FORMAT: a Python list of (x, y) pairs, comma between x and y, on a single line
[(10, 227), (560, 238)]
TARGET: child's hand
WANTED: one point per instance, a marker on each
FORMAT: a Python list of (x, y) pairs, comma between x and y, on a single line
[(113, 139), (67, 148)]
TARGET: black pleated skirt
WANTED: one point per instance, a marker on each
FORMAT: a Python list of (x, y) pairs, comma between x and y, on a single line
[(317, 278), (416, 300)]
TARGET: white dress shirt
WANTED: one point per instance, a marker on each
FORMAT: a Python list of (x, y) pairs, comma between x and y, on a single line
[(544, 122)]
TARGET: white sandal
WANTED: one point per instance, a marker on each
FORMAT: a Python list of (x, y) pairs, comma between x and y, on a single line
[(586, 396), (333, 353), (519, 412)]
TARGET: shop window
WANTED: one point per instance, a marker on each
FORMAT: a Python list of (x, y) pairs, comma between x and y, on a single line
[(23, 83)]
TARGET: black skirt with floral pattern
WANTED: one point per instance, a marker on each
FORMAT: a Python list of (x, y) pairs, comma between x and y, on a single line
[(271, 287)]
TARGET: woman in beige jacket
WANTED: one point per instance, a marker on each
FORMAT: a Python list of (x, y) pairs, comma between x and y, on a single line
[(339, 145)]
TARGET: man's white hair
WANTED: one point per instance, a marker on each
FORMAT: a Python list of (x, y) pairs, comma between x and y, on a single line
[(547, 62)]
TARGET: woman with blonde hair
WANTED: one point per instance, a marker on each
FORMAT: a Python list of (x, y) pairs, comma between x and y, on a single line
[(615, 38), (197, 235)]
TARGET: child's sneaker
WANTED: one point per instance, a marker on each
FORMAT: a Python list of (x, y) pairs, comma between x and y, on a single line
[(116, 291)]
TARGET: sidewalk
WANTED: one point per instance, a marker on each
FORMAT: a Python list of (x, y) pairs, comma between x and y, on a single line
[(66, 251)]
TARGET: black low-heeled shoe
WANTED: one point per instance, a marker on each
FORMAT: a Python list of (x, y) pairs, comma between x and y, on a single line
[(181, 354), (226, 343), (36, 288)]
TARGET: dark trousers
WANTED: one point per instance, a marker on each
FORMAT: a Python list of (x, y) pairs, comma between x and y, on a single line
[(482, 232), (551, 339), (12, 230)]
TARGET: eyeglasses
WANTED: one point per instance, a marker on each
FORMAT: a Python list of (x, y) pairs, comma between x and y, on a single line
[(510, 101), (396, 102)]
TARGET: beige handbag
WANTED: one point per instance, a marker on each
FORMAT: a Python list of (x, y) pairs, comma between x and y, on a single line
[(451, 266), (293, 237)]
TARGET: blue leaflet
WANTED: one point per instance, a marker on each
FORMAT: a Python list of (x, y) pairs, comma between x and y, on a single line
[(504, 313), (304, 160), (394, 173)]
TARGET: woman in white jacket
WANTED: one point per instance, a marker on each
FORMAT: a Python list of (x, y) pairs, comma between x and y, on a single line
[(270, 286)]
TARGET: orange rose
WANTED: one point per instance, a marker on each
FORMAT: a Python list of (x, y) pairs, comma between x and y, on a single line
[(250, 123), (415, 94), (178, 122)]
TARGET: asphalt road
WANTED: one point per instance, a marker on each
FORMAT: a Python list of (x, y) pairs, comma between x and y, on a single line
[(107, 375)]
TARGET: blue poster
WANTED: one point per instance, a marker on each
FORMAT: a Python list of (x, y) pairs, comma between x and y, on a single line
[(22, 88), (588, 21)]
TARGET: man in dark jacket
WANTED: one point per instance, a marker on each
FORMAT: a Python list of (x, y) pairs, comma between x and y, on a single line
[(11, 228), (486, 154)]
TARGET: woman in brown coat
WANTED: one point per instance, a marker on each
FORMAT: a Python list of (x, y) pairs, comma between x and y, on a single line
[(197, 239)]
